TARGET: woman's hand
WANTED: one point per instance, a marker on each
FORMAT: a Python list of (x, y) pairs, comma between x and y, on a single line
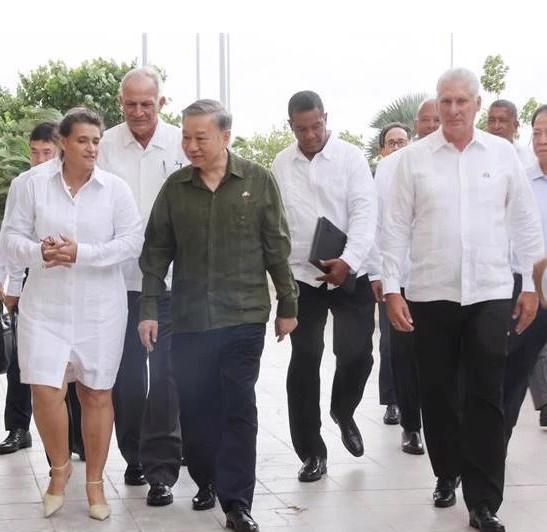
[(59, 252)]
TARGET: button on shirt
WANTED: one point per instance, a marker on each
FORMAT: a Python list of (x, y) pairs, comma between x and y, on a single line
[(457, 212), (144, 170), (337, 184)]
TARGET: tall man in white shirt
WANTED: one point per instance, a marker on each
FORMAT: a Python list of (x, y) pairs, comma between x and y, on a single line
[(458, 198), (321, 175), (144, 151), (401, 349)]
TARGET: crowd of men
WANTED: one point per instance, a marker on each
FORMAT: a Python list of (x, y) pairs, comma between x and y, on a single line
[(443, 238)]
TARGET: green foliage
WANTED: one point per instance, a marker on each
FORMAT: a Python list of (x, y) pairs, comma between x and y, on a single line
[(352, 138), (172, 118), (94, 84), (401, 110), (494, 71), (528, 110), (262, 148), (14, 159)]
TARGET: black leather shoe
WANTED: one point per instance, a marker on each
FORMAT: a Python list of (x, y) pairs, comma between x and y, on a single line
[(134, 475), (392, 415), (312, 470), (351, 437), (445, 492), (485, 520), (411, 442), (240, 520), (16, 439), (159, 494), (205, 498)]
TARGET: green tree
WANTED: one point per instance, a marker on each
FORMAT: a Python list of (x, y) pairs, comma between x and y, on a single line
[(262, 148), (352, 138), (94, 84), (401, 110), (494, 72), (528, 110)]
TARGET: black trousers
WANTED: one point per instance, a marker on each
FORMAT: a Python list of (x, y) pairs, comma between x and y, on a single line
[(146, 414), (353, 319), (216, 372), (521, 359), (466, 441), (404, 365), (386, 382)]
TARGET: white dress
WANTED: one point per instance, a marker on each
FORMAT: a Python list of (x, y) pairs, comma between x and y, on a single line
[(73, 318)]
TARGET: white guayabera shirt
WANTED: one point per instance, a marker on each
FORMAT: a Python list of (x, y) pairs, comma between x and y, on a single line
[(456, 212), (144, 170), (73, 315), (337, 184)]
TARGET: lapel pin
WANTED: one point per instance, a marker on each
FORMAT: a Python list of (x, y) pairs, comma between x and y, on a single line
[(485, 174), (246, 194)]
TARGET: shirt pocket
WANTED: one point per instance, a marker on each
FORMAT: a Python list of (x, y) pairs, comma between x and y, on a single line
[(491, 188)]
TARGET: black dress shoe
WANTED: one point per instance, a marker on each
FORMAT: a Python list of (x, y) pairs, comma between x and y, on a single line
[(351, 437), (240, 520), (313, 468), (134, 475), (159, 494), (16, 439), (411, 442), (205, 498), (485, 520), (445, 492), (392, 415)]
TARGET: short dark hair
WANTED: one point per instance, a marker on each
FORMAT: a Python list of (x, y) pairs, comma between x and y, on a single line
[(45, 131), (387, 128), (506, 104), (537, 112), (79, 115), (305, 101), (221, 116)]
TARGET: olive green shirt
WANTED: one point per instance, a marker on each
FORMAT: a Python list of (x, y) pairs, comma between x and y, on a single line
[(222, 244)]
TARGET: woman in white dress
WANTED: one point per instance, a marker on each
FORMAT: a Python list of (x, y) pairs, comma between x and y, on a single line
[(74, 225)]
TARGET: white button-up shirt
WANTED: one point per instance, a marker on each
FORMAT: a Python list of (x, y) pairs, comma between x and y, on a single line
[(337, 184), (457, 212), (75, 314), (144, 170)]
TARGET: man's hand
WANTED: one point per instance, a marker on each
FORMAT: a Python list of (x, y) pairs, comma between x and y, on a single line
[(148, 333), (11, 303), (525, 310), (539, 269), (284, 326), (378, 291), (398, 313), (338, 271)]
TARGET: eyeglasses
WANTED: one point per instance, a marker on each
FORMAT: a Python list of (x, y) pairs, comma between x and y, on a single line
[(399, 143)]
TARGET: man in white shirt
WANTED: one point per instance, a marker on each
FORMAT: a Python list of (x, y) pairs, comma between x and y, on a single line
[(503, 121), (401, 350), (393, 137), (144, 151), (458, 198), (321, 175)]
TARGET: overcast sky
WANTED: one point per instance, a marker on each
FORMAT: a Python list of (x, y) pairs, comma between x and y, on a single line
[(358, 58)]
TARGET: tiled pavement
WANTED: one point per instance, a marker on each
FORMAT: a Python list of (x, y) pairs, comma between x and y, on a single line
[(385, 490)]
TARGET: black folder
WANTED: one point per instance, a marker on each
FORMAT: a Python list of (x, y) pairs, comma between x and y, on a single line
[(329, 243)]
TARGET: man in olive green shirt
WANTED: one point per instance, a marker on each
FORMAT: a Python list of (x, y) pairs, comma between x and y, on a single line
[(222, 223)]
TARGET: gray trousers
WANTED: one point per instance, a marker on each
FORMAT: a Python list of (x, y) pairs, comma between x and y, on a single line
[(538, 380)]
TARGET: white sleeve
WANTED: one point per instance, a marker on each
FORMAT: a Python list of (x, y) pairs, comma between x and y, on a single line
[(128, 234), (524, 224), (396, 226), (362, 212)]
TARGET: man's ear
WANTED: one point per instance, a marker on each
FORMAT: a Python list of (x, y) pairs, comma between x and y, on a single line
[(226, 134), (289, 121), (161, 102), (325, 117)]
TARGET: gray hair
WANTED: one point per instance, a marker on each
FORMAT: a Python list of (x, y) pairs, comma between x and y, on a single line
[(460, 74), (506, 104), (423, 103), (143, 72), (221, 116)]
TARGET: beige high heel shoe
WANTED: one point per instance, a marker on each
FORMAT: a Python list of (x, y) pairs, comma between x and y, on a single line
[(98, 511), (51, 502)]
